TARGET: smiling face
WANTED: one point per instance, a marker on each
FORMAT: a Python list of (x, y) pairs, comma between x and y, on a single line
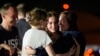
[(63, 23), (10, 16), (52, 24)]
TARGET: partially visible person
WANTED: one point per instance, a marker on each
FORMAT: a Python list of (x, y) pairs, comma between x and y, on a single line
[(68, 25), (21, 24), (8, 33), (36, 36), (27, 17)]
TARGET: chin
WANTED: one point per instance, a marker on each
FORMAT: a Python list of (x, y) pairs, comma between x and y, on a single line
[(12, 25), (53, 31)]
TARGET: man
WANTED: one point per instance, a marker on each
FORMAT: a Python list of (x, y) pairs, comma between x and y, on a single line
[(22, 25), (8, 33)]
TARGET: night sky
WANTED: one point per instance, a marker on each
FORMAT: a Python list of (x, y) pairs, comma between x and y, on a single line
[(91, 6)]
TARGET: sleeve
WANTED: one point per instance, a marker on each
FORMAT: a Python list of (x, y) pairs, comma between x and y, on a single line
[(47, 40), (26, 39)]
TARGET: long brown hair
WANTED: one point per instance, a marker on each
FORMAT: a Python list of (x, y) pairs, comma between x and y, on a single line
[(50, 14)]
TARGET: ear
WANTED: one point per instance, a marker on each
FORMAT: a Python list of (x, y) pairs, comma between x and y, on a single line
[(72, 50), (3, 16)]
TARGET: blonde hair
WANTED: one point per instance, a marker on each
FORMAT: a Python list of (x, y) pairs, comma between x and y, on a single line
[(36, 15), (5, 7)]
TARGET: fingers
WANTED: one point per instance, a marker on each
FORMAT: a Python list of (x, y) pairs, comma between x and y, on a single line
[(9, 48), (30, 50), (75, 41), (11, 51)]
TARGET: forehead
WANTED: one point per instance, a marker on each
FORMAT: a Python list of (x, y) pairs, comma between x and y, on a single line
[(11, 11), (53, 18), (62, 17)]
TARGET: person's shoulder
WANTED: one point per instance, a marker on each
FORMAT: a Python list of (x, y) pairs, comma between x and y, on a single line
[(30, 30), (43, 31), (73, 32), (20, 21)]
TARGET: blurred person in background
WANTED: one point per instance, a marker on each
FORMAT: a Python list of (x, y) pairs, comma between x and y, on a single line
[(21, 24)]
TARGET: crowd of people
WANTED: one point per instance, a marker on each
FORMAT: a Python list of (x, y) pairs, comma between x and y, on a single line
[(39, 32)]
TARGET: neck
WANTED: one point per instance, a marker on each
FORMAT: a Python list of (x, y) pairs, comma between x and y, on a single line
[(35, 27), (21, 16), (6, 27)]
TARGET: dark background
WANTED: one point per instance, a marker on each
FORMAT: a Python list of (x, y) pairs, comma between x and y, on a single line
[(91, 6)]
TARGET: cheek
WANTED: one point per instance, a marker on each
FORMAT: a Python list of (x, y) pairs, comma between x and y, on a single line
[(49, 26), (8, 20), (56, 26)]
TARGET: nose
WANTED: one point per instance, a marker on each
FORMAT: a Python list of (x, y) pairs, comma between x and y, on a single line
[(53, 25), (59, 23)]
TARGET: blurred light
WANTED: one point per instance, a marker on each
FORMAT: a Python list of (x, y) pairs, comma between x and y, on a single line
[(99, 51), (66, 6), (90, 50), (86, 54)]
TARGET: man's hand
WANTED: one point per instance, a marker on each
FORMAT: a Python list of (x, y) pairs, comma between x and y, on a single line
[(9, 48), (30, 50)]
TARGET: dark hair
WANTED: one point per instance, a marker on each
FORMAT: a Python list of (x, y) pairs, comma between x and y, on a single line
[(5, 7), (71, 17), (52, 13)]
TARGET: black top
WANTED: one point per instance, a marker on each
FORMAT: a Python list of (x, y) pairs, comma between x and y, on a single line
[(79, 37), (10, 38), (64, 44), (22, 27)]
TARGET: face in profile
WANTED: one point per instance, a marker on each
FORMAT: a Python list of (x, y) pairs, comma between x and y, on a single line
[(27, 17), (11, 16), (52, 24), (63, 23), (43, 24)]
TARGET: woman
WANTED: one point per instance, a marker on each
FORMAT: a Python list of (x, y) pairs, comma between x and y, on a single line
[(68, 25), (36, 36), (52, 30), (52, 26)]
